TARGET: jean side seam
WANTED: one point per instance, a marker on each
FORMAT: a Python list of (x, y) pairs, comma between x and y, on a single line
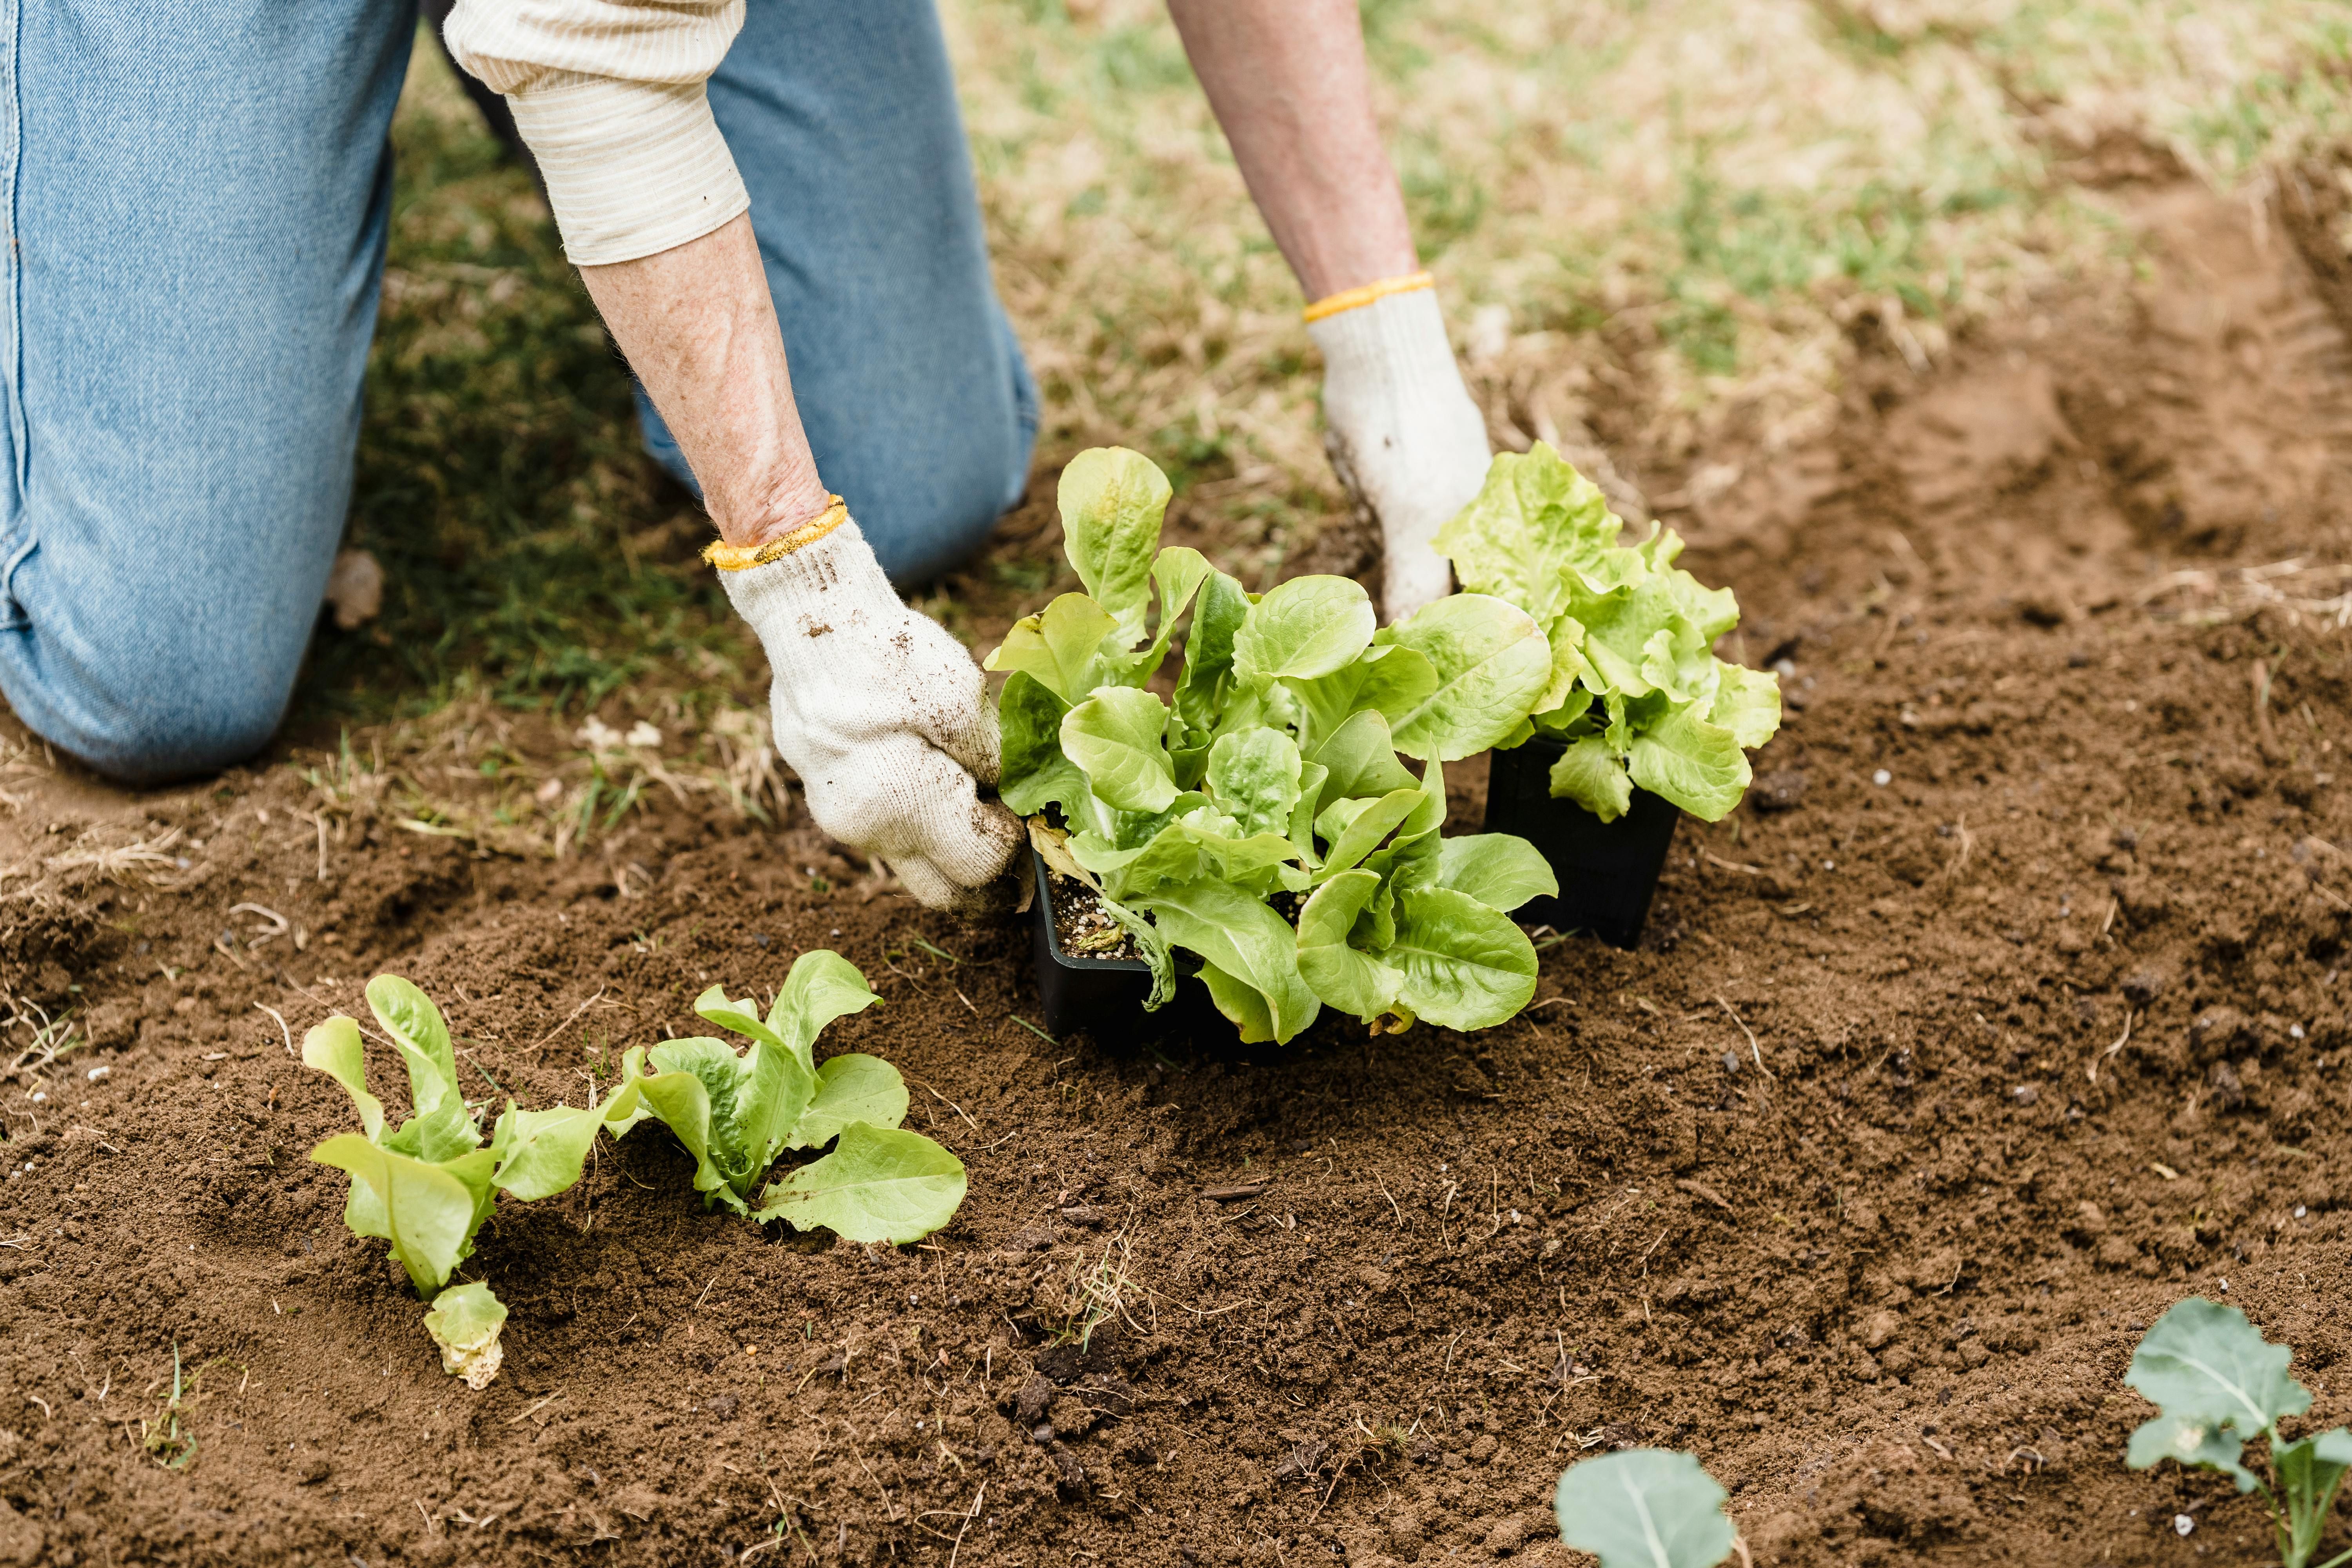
[(16, 532)]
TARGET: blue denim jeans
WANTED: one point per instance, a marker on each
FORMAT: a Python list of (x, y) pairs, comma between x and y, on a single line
[(199, 197)]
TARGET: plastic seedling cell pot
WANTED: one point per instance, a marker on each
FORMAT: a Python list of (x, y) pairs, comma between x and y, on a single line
[(1105, 996), (1606, 870)]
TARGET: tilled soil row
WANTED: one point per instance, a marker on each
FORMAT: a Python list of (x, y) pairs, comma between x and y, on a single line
[(2005, 1014)]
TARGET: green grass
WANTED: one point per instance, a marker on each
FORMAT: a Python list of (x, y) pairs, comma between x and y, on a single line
[(531, 552)]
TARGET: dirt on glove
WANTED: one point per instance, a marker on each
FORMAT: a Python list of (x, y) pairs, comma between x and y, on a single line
[(2007, 1012)]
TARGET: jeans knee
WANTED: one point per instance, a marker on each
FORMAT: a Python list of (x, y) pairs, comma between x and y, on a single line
[(144, 726)]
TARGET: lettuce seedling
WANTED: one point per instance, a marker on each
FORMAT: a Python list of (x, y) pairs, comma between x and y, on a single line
[(1261, 818), (1633, 689), (2219, 1385), (737, 1113), (1644, 1508), (427, 1186)]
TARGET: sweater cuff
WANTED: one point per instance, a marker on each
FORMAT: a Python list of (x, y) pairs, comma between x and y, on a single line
[(633, 168)]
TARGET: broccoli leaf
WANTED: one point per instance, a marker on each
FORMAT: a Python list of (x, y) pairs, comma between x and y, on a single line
[(1306, 628), (2205, 1362), (852, 1088), (1644, 1508), (465, 1322), (2194, 1442), (877, 1184), (1115, 736), (1500, 871), (1492, 662), (1111, 500)]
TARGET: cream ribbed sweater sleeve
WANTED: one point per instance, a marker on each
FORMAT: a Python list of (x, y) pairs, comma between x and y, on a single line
[(609, 94)]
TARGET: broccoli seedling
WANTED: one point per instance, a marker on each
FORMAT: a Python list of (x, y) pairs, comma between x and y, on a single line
[(1644, 1508), (737, 1113), (2219, 1385), (427, 1186)]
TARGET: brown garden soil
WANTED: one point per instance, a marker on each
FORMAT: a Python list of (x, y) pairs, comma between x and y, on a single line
[(2007, 1013)]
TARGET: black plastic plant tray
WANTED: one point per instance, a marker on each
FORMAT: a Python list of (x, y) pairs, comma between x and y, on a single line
[(1606, 870), (1104, 997)]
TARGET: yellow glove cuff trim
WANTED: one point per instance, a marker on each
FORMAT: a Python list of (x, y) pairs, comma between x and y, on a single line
[(743, 557), (1349, 299)]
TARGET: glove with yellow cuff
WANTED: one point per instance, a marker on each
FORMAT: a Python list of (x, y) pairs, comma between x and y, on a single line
[(1403, 433), (883, 715)]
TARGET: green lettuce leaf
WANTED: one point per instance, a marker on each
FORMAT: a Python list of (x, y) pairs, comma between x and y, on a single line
[(1533, 522), (877, 1184), (1117, 737), (415, 1023), (850, 1087), (1035, 773), (1253, 776), (1698, 765), (1305, 629), (1111, 500), (465, 1322), (1235, 931), (1343, 977), (1460, 965), (1592, 775), (1493, 664), (820, 987), (1498, 870), (1061, 648)]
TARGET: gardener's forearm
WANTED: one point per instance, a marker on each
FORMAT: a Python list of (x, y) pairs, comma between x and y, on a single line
[(1289, 86), (699, 329)]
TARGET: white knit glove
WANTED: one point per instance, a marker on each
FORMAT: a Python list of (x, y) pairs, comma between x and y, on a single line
[(1403, 433), (885, 717)]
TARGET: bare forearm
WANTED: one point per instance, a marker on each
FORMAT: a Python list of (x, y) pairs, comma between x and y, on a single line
[(1289, 84), (699, 329)]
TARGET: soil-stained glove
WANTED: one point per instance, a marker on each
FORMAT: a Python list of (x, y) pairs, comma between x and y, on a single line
[(885, 717), (1403, 433)]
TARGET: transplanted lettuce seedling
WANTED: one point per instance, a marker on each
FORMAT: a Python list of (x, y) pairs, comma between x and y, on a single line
[(736, 1113), (2219, 1385), (1644, 1508), (427, 1186), (1261, 818)]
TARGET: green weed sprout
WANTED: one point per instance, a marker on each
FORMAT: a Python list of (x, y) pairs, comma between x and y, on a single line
[(1636, 694), (1644, 1508), (2219, 1385), (427, 1186), (1260, 818), (736, 1114)]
